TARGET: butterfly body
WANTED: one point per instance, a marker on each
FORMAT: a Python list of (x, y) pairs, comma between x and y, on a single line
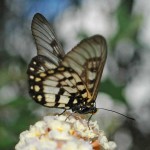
[(65, 81)]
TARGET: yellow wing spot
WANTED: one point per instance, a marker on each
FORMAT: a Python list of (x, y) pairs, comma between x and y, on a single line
[(67, 107), (50, 71), (50, 98), (42, 74), (37, 79), (90, 85), (36, 88), (61, 69), (63, 100), (61, 105), (39, 97), (42, 68), (67, 74), (92, 104), (34, 63), (33, 96), (31, 77), (81, 87), (49, 104), (89, 100), (31, 87), (84, 95), (73, 81), (32, 69), (59, 76), (75, 101)]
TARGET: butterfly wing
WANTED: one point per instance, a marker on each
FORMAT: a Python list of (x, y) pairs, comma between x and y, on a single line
[(87, 59), (45, 39), (54, 86), (50, 84), (58, 80)]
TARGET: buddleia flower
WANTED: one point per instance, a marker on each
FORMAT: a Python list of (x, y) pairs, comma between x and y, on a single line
[(64, 132)]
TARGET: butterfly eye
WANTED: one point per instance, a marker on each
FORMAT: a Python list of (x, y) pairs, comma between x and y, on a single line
[(65, 81)]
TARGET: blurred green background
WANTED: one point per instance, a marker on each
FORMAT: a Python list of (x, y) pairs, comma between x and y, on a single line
[(125, 84)]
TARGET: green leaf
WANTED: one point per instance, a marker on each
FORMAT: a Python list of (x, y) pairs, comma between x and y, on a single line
[(116, 92)]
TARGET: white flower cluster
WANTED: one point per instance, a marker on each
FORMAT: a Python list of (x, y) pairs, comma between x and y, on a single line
[(64, 133)]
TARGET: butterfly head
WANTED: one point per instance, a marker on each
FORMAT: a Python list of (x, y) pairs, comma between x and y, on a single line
[(84, 109)]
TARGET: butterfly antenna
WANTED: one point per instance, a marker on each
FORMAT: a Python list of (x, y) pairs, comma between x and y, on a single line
[(118, 113)]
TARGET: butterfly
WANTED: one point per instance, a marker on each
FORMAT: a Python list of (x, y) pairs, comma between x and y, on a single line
[(67, 81)]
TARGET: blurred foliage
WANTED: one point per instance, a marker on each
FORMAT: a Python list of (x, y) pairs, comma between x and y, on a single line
[(115, 91), (15, 117), (16, 107), (128, 24)]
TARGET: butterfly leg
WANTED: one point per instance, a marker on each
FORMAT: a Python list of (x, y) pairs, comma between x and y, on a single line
[(62, 112), (68, 116), (89, 120)]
